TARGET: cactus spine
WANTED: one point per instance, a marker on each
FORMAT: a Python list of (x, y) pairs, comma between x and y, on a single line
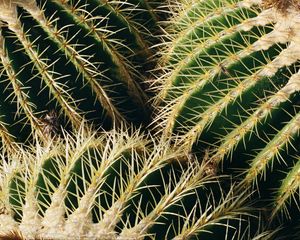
[(228, 95), (115, 187), (83, 60), (231, 85)]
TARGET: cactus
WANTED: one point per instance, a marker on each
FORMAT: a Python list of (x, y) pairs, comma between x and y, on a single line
[(230, 86), (117, 185), (227, 100), (80, 59)]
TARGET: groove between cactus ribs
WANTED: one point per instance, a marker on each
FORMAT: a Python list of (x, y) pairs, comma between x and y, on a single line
[(286, 29)]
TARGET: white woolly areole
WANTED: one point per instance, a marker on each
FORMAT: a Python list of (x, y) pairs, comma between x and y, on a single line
[(293, 85), (135, 232), (54, 220), (31, 221), (79, 222), (286, 30), (249, 3), (8, 12), (105, 229), (33, 9), (7, 223)]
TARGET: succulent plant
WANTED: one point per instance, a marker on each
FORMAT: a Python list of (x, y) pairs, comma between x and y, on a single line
[(224, 163), (230, 87), (79, 59), (117, 185)]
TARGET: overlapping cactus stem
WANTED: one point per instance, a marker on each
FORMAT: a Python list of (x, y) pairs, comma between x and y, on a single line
[(82, 59), (115, 187), (231, 85)]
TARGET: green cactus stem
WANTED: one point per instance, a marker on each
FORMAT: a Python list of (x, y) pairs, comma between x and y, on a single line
[(82, 60), (115, 186), (231, 86)]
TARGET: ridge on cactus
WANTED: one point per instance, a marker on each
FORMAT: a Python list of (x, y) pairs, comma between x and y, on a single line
[(86, 60), (229, 89), (220, 159), (116, 186)]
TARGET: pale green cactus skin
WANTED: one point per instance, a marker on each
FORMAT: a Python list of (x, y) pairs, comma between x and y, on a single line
[(86, 60), (115, 187), (230, 87)]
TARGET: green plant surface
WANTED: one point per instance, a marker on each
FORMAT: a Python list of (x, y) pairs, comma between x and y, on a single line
[(117, 186), (220, 159), (81, 59), (230, 87)]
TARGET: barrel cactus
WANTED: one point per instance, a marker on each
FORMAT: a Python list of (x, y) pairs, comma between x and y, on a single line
[(227, 103), (116, 186), (230, 89), (73, 60)]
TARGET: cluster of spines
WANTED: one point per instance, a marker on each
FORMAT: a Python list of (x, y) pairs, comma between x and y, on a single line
[(84, 59), (117, 186), (231, 85)]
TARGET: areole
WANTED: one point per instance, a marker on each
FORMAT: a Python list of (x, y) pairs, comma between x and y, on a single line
[(282, 5)]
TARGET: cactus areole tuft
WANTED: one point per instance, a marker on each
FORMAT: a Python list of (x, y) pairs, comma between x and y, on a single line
[(227, 103), (231, 86), (282, 5)]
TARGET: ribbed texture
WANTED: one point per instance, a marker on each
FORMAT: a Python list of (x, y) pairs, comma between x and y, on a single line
[(230, 88), (114, 187), (82, 60)]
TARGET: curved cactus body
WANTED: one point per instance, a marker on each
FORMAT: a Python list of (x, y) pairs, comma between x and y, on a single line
[(114, 187), (82, 59), (231, 87)]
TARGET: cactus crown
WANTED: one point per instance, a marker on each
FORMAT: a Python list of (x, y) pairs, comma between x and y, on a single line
[(230, 89), (281, 5)]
